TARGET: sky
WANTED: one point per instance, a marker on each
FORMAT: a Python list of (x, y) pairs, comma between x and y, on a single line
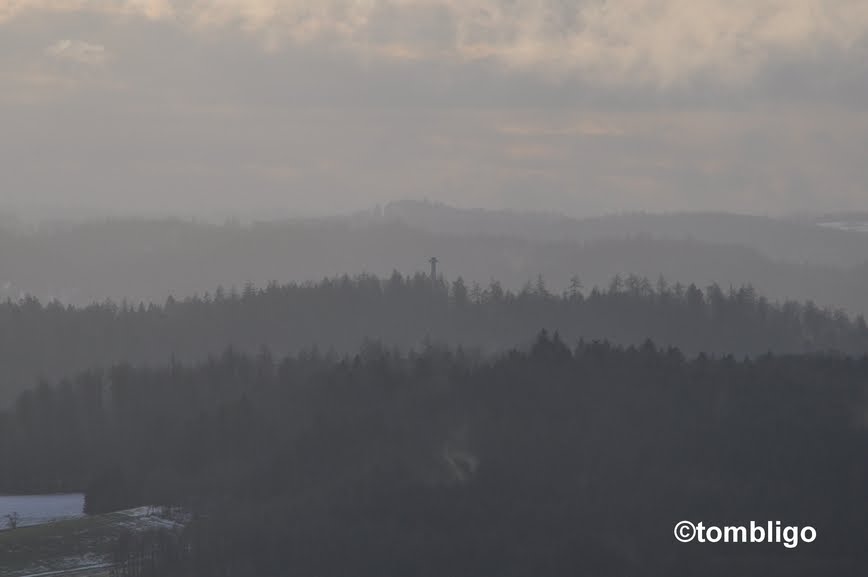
[(277, 108)]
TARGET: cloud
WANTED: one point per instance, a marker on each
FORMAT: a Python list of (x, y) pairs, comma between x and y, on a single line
[(586, 105), (590, 128), (78, 52), (664, 44), (151, 9)]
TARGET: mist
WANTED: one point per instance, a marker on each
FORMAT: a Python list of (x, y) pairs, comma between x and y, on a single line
[(433, 287), (271, 109)]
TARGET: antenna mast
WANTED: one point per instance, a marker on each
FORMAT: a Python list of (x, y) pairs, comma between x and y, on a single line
[(433, 260)]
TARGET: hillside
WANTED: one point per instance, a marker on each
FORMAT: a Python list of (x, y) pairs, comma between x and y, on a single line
[(150, 260), (790, 240), (440, 463), (340, 314)]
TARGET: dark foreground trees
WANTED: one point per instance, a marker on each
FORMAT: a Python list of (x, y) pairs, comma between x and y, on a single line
[(53, 341), (553, 461)]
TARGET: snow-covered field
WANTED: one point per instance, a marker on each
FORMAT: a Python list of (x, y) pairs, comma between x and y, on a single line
[(848, 226), (142, 518), (80, 546), (39, 509)]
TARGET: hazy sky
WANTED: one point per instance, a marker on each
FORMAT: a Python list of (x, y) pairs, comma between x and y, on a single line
[(279, 107)]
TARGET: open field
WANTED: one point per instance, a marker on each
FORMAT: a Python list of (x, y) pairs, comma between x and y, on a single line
[(79, 547)]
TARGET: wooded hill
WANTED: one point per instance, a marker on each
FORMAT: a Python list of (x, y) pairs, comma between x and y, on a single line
[(340, 314), (553, 461)]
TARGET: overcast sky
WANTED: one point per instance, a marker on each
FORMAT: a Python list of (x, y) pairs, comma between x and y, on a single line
[(272, 108)]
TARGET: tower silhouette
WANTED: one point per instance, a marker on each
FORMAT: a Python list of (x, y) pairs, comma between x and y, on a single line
[(433, 260)]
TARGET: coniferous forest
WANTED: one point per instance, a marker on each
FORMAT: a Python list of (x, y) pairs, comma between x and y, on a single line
[(433, 288), (414, 426), (51, 340), (437, 461)]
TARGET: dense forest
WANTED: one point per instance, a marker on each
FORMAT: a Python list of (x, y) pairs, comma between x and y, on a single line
[(407, 425), (577, 459), (433, 288), (338, 314)]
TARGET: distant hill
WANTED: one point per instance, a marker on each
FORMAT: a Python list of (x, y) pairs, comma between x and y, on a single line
[(142, 260), (779, 239), (847, 221)]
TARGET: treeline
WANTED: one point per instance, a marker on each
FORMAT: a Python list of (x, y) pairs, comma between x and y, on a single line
[(552, 461), (150, 259), (51, 340)]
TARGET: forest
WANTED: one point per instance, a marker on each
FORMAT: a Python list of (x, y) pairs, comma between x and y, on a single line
[(439, 461), (410, 424), (338, 314), (150, 259), (433, 288)]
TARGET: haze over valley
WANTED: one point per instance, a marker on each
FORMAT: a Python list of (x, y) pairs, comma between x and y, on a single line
[(295, 288)]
